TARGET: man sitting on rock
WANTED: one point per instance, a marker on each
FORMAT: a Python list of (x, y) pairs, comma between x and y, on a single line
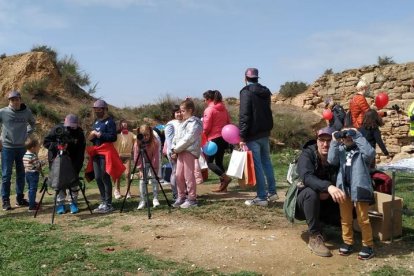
[(316, 201)]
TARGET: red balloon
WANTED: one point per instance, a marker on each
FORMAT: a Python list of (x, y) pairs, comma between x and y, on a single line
[(381, 100), (327, 114)]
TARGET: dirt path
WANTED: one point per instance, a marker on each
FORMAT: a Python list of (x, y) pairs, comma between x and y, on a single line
[(226, 247)]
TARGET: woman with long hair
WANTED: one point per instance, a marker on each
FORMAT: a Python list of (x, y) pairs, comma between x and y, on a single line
[(215, 118)]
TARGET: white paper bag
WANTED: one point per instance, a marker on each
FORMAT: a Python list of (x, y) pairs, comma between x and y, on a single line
[(237, 163), (202, 161)]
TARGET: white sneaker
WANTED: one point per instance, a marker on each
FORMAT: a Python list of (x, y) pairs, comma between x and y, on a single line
[(117, 194), (155, 202), (128, 196), (141, 205), (256, 201), (189, 204), (178, 202)]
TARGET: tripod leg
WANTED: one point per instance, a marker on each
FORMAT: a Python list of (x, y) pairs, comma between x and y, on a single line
[(43, 189), (147, 196), (82, 187), (54, 206), (129, 183)]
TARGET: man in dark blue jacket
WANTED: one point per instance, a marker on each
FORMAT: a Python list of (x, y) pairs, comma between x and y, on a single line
[(316, 200), (256, 122)]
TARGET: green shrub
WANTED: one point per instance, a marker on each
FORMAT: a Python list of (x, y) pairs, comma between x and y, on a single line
[(328, 71), (36, 87), (69, 69), (40, 109), (231, 100), (3, 56), (45, 49), (84, 112), (384, 60), (291, 89)]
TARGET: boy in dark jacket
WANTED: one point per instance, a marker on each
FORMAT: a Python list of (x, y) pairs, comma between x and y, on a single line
[(71, 137)]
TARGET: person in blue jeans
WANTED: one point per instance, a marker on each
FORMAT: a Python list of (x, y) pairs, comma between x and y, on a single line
[(16, 122), (255, 123), (32, 167)]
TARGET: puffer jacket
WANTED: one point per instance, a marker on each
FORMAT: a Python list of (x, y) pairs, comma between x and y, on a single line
[(358, 107), (255, 117), (214, 119), (188, 137), (361, 184)]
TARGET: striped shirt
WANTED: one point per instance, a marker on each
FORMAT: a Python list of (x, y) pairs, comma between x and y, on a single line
[(31, 162)]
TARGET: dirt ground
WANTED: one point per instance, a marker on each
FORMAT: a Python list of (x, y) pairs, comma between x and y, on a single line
[(227, 247)]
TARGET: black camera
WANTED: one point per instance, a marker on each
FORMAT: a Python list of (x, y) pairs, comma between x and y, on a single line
[(62, 135), (344, 133), (140, 137)]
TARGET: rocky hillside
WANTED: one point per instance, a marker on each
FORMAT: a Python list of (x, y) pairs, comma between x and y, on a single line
[(54, 99), (396, 80)]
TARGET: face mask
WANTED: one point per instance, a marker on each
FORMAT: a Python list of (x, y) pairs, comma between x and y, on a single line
[(99, 114), (367, 92)]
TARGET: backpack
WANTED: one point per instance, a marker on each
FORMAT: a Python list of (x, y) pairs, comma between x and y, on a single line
[(292, 177), (348, 119), (338, 117), (62, 175), (382, 182)]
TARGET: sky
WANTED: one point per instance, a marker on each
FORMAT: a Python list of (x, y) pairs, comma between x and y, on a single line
[(139, 51)]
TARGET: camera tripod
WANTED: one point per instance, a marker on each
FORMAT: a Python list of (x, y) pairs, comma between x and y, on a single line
[(44, 190), (145, 171)]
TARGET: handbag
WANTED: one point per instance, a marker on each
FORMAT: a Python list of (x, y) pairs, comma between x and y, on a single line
[(289, 206), (237, 163)]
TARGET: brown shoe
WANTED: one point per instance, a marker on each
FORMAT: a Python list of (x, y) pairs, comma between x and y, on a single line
[(226, 180), (220, 189), (317, 246)]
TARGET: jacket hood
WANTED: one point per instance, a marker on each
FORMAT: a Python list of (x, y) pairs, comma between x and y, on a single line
[(23, 107), (311, 144), (259, 90)]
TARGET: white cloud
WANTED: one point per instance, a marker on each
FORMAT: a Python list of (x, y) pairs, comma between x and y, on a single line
[(344, 49)]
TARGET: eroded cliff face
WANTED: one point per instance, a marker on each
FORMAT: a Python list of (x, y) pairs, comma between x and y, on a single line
[(396, 80)]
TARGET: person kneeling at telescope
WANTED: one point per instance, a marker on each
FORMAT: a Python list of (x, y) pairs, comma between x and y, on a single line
[(67, 138)]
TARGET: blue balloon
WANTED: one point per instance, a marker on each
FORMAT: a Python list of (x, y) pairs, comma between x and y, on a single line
[(210, 148)]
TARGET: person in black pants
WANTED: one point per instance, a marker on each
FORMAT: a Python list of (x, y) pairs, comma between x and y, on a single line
[(316, 200)]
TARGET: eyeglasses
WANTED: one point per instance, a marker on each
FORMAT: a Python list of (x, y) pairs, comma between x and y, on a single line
[(321, 140)]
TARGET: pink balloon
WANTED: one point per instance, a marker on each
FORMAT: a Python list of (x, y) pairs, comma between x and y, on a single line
[(327, 114), (231, 134)]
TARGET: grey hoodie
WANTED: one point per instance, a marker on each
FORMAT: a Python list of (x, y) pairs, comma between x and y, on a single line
[(16, 125)]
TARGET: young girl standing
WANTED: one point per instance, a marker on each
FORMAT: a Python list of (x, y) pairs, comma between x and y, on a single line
[(124, 145), (186, 149)]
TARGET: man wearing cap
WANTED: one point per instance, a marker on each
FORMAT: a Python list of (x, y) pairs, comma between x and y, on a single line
[(317, 199), (17, 122), (104, 157), (255, 123), (74, 143)]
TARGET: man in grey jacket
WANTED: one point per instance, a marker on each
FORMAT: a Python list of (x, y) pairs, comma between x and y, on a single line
[(17, 121)]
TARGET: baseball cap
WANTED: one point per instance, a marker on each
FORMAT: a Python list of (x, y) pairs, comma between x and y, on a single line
[(252, 73), (14, 94), (325, 131), (71, 120), (100, 104)]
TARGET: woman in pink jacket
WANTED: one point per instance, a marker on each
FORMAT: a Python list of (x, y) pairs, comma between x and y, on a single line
[(214, 119)]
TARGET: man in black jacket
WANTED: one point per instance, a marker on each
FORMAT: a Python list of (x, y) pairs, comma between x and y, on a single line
[(317, 200), (256, 122), (68, 137)]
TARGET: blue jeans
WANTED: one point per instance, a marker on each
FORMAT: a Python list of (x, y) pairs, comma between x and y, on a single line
[(32, 179), (102, 179), (263, 167), (8, 157)]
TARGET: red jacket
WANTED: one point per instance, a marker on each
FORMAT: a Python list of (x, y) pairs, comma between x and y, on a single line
[(215, 118), (358, 106), (113, 164)]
